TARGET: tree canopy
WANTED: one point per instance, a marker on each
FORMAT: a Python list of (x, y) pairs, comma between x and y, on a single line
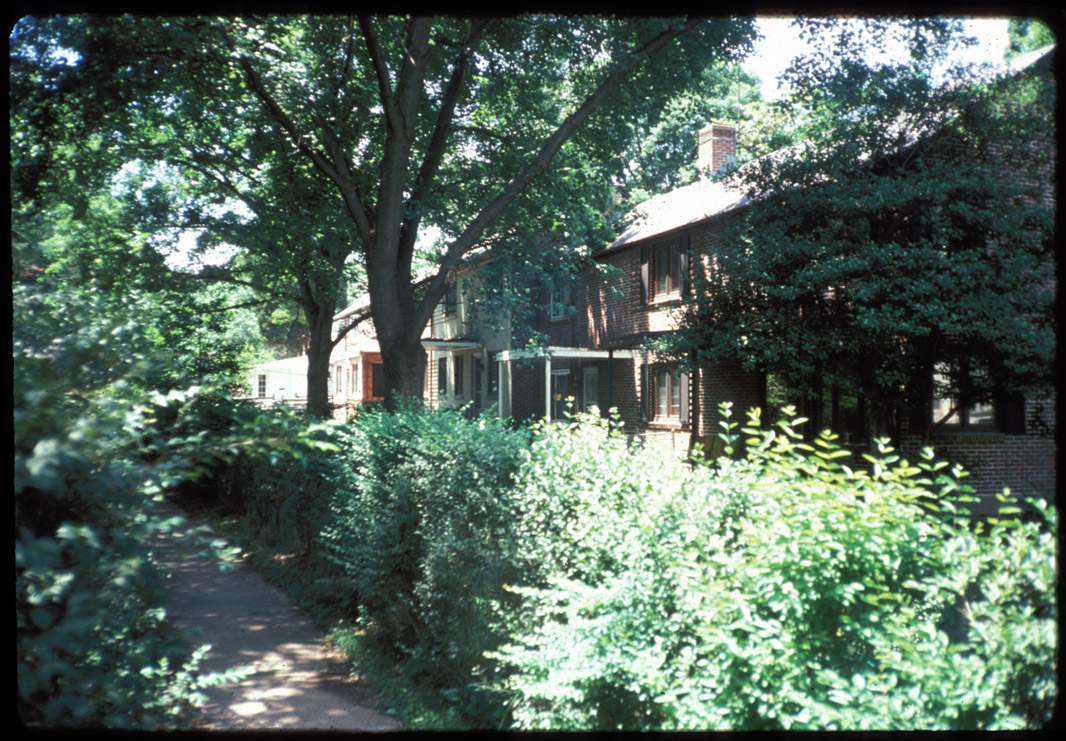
[(312, 144), (908, 234)]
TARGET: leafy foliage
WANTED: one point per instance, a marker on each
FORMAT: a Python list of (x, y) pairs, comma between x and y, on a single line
[(423, 539), (911, 226), (93, 647), (786, 590)]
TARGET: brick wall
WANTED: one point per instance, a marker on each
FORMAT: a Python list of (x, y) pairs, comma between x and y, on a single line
[(1024, 463)]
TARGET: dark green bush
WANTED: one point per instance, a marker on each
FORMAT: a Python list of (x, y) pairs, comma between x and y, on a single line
[(92, 645), (424, 538), (783, 591)]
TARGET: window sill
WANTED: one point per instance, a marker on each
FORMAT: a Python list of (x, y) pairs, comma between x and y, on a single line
[(667, 424), (670, 298), (975, 434)]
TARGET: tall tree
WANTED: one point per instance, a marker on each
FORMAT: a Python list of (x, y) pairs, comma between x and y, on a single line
[(307, 142), (911, 227)]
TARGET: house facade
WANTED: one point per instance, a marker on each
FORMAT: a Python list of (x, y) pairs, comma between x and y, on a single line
[(596, 355), (632, 291)]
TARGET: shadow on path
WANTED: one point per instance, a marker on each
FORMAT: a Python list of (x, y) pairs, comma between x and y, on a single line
[(297, 683)]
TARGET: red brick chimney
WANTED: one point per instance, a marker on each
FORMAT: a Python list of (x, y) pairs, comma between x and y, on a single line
[(716, 143)]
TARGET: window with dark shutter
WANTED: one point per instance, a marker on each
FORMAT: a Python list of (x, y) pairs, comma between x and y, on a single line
[(442, 375), (664, 270), (644, 292), (644, 392), (665, 395)]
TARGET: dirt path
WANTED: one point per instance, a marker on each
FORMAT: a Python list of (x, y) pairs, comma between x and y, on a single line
[(297, 683)]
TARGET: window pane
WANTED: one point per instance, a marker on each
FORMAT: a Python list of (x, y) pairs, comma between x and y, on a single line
[(675, 394), (981, 414), (590, 392), (662, 270), (377, 380), (661, 391)]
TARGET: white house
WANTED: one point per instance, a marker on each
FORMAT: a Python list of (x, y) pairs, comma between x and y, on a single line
[(279, 380)]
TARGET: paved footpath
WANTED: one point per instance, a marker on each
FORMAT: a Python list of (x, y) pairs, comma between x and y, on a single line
[(297, 683)]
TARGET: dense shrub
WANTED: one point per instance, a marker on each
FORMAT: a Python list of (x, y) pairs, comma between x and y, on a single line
[(424, 539), (581, 492), (781, 590), (91, 457)]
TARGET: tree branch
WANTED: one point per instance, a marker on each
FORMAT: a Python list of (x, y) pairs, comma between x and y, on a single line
[(435, 151), (223, 277), (377, 61), (466, 240), (347, 189)]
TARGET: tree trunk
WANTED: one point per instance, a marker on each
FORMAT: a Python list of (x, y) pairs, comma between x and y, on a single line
[(320, 321), (876, 404), (405, 368)]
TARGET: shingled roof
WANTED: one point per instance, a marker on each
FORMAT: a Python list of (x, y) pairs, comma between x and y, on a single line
[(705, 199)]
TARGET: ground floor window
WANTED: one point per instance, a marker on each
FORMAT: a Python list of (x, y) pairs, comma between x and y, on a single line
[(560, 390), (262, 385), (590, 391), (494, 374), (950, 408), (377, 380), (666, 395), (825, 402)]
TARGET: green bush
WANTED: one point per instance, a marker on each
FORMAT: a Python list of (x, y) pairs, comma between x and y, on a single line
[(581, 492), (784, 590), (91, 459), (423, 539)]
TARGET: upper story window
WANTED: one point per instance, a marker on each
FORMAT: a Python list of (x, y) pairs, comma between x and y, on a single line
[(451, 300), (560, 299), (666, 270)]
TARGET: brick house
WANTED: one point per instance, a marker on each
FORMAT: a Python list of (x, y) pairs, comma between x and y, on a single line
[(628, 293)]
